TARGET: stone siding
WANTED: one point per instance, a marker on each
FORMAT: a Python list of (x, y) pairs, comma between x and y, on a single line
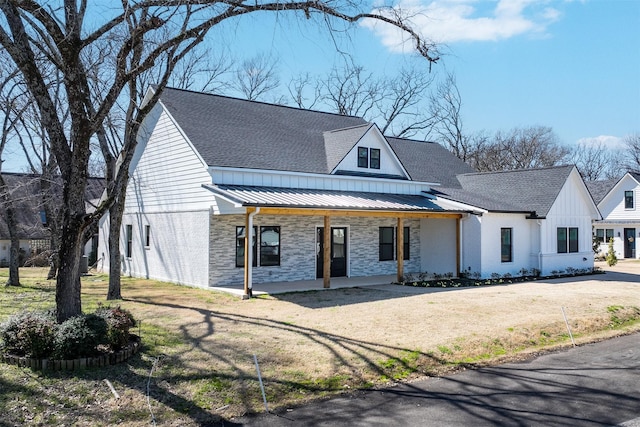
[(298, 248)]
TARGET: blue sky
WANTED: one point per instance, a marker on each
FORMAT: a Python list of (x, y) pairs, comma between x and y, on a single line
[(571, 65)]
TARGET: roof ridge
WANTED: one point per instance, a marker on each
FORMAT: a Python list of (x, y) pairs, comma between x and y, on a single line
[(519, 170), (253, 101), (368, 124)]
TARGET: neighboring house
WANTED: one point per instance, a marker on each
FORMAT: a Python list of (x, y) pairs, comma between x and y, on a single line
[(618, 204), (33, 227), (207, 168)]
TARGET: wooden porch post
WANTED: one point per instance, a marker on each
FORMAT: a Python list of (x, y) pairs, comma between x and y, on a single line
[(458, 245), (248, 248), (400, 248), (326, 255)]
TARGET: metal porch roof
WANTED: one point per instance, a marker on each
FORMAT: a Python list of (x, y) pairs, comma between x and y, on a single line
[(325, 199)]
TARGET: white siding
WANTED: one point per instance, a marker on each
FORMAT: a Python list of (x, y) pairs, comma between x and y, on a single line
[(178, 251), (389, 163), (471, 239), (169, 173), (522, 238), (438, 246), (5, 250), (612, 206), (277, 179), (572, 208)]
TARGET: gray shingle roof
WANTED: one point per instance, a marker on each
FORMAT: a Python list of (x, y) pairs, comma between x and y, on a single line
[(599, 189), (429, 161), (525, 190), (339, 142), (247, 134)]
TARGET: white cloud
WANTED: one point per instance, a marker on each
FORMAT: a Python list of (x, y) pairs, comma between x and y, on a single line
[(448, 21), (612, 142)]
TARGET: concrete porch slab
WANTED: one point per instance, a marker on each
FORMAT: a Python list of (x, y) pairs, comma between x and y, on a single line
[(273, 288)]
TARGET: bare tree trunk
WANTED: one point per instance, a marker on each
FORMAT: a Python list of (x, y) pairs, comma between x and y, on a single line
[(115, 265), (68, 302), (10, 218), (14, 255)]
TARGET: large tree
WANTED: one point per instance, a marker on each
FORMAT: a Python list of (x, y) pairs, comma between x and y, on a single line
[(140, 34)]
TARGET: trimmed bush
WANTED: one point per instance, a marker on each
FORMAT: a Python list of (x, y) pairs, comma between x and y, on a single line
[(80, 336), (29, 334), (119, 322)]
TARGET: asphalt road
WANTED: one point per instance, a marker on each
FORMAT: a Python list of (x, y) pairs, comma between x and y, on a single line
[(591, 385)]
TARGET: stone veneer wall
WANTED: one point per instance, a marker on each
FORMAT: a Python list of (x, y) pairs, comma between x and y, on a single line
[(298, 248)]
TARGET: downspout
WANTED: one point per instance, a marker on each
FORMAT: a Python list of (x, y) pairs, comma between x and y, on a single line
[(250, 236), (539, 245)]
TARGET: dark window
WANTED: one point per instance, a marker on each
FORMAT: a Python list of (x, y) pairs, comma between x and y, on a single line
[(147, 235), (374, 162), (129, 236), (386, 244), (407, 246), (567, 240), (628, 199), (363, 157), (506, 245), (609, 234), (269, 246), (600, 235), (240, 236), (573, 240)]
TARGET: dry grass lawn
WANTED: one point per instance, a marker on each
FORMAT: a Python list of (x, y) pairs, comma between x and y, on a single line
[(198, 364)]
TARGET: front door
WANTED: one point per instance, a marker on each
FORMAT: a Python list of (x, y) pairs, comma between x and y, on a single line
[(629, 242), (338, 252)]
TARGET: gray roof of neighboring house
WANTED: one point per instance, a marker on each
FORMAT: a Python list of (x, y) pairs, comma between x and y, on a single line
[(599, 189), (26, 193), (525, 190), (248, 134)]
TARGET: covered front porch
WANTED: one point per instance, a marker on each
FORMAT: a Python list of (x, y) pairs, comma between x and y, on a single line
[(334, 210)]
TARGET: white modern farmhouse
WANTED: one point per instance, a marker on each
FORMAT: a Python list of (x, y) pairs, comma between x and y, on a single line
[(324, 195), (618, 204)]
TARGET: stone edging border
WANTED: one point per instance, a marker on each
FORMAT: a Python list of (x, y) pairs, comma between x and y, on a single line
[(72, 364)]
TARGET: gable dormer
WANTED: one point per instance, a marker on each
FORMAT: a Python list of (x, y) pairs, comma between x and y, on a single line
[(362, 151)]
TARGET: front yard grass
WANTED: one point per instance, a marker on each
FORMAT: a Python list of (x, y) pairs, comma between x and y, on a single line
[(197, 361)]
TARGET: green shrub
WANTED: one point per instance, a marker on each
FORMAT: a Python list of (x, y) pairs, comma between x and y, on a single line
[(612, 259), (80, 336), (119, 322), (29, 334)]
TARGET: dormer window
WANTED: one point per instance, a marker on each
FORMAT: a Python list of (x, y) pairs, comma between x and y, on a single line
[(363, 157), (368, 157), (374, 161)]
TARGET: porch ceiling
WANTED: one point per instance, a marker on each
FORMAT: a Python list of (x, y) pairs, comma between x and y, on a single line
[(295, 199)]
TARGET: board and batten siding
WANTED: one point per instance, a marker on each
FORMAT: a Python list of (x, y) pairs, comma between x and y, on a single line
[(169, 173), (612, 206), (280, 179), (573, 207)]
